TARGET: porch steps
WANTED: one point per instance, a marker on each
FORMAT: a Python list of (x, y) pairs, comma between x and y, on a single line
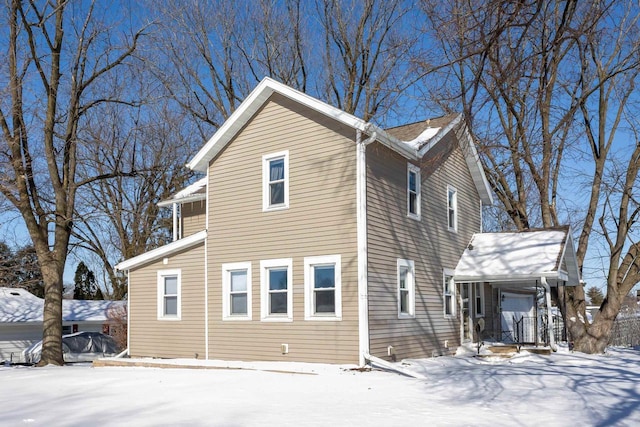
[(510, 350)]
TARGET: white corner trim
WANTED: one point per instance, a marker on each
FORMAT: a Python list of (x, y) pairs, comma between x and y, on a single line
[(362, 247), (162, 251)]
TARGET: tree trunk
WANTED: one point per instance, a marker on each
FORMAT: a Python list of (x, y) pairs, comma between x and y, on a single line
[(52, 316), (591, 338)]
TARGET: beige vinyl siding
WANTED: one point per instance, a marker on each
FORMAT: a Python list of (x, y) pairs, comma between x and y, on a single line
[(320, 220), (193, 217), (428, 242), (150, 337)]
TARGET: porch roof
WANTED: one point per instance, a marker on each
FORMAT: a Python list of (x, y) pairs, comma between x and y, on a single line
[(519, 256)]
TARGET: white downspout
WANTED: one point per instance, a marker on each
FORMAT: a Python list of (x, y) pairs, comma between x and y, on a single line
[(128, 313), (206, 271), (547, 295), (361, 221), (175, 221)]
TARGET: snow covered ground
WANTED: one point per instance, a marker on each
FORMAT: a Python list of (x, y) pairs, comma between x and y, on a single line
[(564, 389)]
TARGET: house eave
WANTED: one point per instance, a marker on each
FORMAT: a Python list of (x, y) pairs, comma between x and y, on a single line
[(180, 201), (163, 251), (528, 277), (259, 96)]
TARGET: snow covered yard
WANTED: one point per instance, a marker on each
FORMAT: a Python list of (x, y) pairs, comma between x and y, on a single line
[(561, 389)]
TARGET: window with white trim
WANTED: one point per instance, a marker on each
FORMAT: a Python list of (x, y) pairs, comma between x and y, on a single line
[(406, 288), (449, 294), (276, 290), (236, 291), (413, 191), (169, 300), (275, 181), (478, 295), (452, 208), (323, 288)]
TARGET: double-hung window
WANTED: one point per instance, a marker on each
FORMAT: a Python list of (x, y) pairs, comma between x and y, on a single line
[(449, 294), (236, 291), (413, 191), (452, 208), (478, 294), (276, 290), (275, 181), (169, 300), (323, 288), (406, 288)]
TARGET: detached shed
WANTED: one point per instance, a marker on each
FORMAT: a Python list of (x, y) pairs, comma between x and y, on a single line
[(21, 319), (518, 270)]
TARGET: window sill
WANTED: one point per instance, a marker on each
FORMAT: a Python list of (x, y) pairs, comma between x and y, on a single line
[(275, 208), (324, 318), (414, 217), (169, 319), (236, 318), (274, 319), (406, 316), (452, 230)]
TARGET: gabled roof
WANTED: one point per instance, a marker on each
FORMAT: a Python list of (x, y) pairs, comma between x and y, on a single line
[(18, 305), (163, 251), (192, 193), (412, 148), (524, 255)]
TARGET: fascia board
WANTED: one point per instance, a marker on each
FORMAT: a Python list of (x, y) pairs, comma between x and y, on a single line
[(504, 278), (162, 251)]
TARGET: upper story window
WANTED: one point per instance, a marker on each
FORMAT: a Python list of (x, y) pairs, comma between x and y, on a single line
[(413, 191), (275, 181), (236, 291), (449, 294), (452, 208), (276, 290), (323, 288), (406, 288), (169, 299)]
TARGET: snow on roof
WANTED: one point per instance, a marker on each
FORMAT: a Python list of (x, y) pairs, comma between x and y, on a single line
[(19, 305), (193, 192), (426, 134), (516, 255)]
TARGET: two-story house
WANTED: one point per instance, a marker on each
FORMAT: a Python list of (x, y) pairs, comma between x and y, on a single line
[(315, 236)]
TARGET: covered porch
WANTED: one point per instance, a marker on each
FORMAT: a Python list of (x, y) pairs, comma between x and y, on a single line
[(504, 282)]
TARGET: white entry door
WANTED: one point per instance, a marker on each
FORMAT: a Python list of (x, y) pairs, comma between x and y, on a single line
[(517, 306)]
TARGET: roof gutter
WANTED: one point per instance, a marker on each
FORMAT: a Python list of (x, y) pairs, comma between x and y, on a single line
[(361, 221)]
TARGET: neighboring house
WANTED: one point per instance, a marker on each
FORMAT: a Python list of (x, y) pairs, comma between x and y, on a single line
[(315, 236), (21, 319)]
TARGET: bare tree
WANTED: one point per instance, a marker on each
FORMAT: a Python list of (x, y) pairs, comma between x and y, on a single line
[(120, 217), (368, 47), (355, 55), (537, 80), (53, 63)]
